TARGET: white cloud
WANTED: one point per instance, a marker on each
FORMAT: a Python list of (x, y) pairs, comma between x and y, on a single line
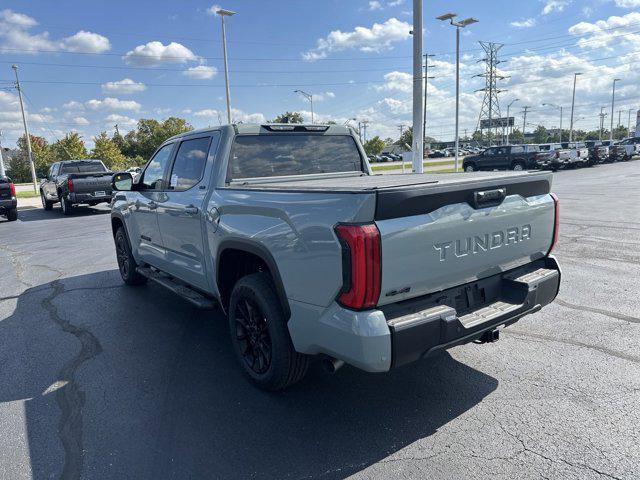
[(237, 115), (628, 3), (608, 33), (80, 121), (551, 6), (376, 39), (395, 3), (375, 5), (201, 72), (528, 23), (121, 120), (73, 105), (155, 53), (213, 9), (398, 81), (110, 103), (123, 87), (15, 35), (87, 42)]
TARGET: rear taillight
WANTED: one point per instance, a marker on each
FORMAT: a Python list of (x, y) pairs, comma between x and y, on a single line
[(556, 222), (69, 185), (360, 265), (12, 189)]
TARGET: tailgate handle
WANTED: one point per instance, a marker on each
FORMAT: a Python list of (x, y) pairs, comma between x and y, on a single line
[(489, 198)]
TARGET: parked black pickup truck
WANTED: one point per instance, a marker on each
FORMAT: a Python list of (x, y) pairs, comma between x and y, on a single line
[(74, 182), (507, 157), (8, 202)]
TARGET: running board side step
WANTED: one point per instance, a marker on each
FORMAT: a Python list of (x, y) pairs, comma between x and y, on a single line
[(178, 288)]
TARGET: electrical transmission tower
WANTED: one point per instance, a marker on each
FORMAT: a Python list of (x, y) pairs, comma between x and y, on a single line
[(490, 109)]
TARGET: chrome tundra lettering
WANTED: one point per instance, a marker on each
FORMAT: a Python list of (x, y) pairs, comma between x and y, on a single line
[(483, 243)]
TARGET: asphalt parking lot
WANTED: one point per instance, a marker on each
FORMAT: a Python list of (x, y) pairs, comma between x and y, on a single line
[(99, 380)]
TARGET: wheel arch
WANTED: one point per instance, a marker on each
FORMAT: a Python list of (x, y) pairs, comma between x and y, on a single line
[(254, 257)]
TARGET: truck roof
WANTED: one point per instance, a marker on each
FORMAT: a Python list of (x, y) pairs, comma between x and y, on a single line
[(269, 128), (80, 160)]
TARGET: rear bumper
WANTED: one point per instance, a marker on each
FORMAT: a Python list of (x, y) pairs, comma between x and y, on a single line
[(89, 198), (417, 331), (9, 204), (394, 335)]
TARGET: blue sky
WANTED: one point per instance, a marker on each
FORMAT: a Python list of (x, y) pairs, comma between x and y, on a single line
[(86, 66)]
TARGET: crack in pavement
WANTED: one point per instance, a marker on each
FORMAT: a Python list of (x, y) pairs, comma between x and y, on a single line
[(606, 313), (71, 398), (575, 343)]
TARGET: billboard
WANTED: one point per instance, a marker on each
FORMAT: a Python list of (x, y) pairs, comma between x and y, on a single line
[(497, 122)]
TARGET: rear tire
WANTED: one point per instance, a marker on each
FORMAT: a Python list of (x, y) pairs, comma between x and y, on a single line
[(67, 206), (12, 215), (260, 337), (126, 263), (518, 167), (46, 204), (469, 167)]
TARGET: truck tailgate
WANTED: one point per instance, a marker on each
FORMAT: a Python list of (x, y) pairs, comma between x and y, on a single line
[(434, 237), (92, 183)]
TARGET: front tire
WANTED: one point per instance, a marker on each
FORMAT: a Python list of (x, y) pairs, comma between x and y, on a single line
[(46, 204), (126, 263), (260, 337), (518, 167), (469, 167), (67, 206), (12, 215)]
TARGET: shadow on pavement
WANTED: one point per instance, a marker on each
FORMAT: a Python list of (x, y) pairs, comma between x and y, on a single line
[(132, 382), (34, 214)]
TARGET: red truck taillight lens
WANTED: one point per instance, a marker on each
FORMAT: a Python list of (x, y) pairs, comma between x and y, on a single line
[(556, 222), (360, 265), (12, 189), (69, 185)]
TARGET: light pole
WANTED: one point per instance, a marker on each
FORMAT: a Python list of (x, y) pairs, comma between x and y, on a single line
[(309, 97), (613, 99), (424, 110), (602, 115), (629, 123), (226, 13), (573, 101), (508, 107), (560, 107), (458, 25), (26, 131)]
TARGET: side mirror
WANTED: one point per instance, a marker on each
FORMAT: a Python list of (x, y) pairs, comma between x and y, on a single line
[(122, 181)]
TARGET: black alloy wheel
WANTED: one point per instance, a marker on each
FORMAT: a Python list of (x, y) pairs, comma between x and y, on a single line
[(253, 336)]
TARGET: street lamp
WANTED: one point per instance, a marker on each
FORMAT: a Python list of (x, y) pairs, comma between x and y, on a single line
[(560, 107), (309, 97), (508, 107), (226, 13), (573, 101), (613, 98), (629, 123), (458, 25)]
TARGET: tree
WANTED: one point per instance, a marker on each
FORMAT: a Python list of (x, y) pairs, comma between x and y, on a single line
[(288, 117), (105, 149), (149, 135), (406, 139), (620, 132), (516, 136), (41, 153), (374, 146), (540, 135), (71, 147)]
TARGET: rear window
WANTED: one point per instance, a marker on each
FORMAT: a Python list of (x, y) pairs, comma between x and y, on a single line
[(281, 155), (532, 148), (83, 167)]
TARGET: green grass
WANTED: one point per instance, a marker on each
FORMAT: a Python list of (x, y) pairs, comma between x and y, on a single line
[(377, 167), (27, 194)]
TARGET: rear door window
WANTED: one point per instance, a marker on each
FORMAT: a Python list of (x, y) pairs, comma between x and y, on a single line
[(282, 155)]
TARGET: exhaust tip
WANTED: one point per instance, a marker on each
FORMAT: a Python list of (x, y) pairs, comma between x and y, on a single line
[(331, 365)]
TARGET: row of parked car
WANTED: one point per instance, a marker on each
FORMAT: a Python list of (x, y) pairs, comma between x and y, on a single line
[(552, 156)]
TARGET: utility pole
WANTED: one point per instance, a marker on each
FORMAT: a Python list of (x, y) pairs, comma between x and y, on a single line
[(26, 131), (602, 115), (418, 135), (524, 121), (401, 127), (573, 101), (619, 115), (490, 105), (613, 99), (508, 117), (629, 123), (424, 110), (365, 123), (3, 173), (226, 13), (309, 97)]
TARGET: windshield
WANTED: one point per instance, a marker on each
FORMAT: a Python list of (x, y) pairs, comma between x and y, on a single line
[(281, 155), (83, 167)]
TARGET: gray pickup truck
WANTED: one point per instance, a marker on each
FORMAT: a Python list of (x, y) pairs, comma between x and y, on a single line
[(308, 253), (8, 201), (75, 182)]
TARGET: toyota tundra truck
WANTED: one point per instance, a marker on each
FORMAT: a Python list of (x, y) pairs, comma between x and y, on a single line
[(76, 182), (286, 229)]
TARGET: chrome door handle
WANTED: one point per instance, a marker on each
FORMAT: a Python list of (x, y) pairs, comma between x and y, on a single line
[(152, 205), (191, 210)]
